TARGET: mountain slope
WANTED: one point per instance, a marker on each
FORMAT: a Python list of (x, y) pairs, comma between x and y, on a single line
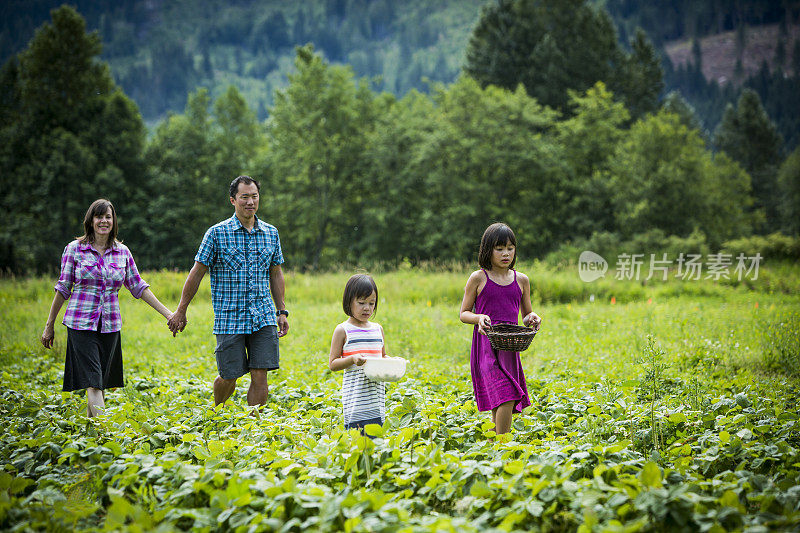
[(720, 53)]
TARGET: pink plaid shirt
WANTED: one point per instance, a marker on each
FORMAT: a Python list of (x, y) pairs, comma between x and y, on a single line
[(91, 282)]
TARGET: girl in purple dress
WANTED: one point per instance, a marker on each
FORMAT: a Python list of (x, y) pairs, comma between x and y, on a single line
[(493, 294)]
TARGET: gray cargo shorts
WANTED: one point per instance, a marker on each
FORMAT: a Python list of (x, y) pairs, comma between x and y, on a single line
[(239, 353)]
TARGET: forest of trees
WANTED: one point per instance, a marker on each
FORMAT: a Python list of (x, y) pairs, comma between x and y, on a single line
[(159, 52), (352, 174)]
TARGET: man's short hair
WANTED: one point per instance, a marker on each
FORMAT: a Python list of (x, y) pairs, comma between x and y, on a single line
[(242, 179)]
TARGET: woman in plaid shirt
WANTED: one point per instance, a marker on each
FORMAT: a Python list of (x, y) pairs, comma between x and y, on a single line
[(93, 268)]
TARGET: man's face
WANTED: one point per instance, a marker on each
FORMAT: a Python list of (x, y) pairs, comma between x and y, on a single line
[(246, 201)]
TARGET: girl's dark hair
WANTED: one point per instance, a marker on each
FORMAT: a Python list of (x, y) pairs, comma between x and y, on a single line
[(497, 233), (358, 286), (247, 180), (98, 207)]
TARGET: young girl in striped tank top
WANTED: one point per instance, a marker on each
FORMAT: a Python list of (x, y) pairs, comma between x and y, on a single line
[(354, 340)]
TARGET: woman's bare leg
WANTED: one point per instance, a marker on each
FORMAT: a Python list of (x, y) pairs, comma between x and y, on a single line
[(95, 402)]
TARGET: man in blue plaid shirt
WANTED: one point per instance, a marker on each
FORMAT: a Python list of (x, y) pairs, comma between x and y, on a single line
[(244, 257)]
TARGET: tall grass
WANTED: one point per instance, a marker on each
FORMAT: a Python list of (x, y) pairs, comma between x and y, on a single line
[(780, 341), (700, 324)]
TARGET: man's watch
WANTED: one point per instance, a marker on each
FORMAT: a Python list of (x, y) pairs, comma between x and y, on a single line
[(283, 312)]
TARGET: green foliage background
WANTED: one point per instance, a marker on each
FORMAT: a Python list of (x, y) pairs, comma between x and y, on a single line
[(353, 175), (161, 51)]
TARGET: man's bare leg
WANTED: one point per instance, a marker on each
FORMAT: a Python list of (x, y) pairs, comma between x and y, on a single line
[(223, 389), (259, 389)]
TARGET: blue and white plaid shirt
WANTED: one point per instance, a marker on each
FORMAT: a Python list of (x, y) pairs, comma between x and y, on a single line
[(239, 262)]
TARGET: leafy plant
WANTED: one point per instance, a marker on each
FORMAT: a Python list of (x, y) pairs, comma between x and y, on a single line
[(708, 445), (652, 385)]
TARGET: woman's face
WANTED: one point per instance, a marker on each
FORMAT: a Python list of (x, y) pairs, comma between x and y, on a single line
[(103, 224)]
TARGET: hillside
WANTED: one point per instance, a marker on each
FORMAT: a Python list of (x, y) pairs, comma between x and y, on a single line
[(720, 53), (160, 51)]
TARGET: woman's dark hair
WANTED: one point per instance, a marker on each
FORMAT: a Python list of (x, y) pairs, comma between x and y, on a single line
[(242, 179), (358, 286), (496, 234), (98, 207)]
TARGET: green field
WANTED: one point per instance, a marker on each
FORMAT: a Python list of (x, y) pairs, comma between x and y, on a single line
[(675, 408)]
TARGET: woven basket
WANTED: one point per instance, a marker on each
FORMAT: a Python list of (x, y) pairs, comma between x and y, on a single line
[(510, 337)]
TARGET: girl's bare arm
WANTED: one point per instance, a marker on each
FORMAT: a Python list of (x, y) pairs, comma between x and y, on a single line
[(335, 360), (467, 315), (528, 316)]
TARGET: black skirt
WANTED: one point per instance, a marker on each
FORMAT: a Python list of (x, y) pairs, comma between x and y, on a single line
[(94, 359)]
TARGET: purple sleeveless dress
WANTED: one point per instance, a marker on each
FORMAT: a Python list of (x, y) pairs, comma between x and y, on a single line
[(497, 375)]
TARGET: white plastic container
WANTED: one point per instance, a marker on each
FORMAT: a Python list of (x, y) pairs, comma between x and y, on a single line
[(385, 368)]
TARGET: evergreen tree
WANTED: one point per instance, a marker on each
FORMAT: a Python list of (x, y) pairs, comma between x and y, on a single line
[(550, 46), (70, 136), (180, 158), (778, 93), (640, 78), (9, 93), (796, 59), (748, 136), (237, 134), (789, 187), (741, 40), (697, 55), (197, 153), (780, 53), (675, 103), (397, 212)]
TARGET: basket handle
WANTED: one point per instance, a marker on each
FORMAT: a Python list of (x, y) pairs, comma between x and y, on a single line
[(513, 324)]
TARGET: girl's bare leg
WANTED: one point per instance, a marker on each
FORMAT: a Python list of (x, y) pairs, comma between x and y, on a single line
[(501, 416)]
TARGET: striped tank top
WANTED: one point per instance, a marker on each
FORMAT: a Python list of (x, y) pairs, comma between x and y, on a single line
[(362, 399)]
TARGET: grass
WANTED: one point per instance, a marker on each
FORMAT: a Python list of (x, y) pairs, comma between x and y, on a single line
[(419, 312)]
